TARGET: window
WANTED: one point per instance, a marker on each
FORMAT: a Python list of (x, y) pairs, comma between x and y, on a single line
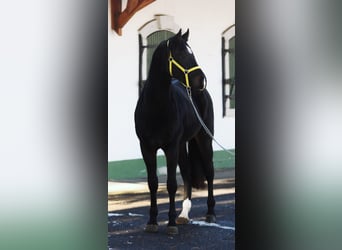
[(228, 70), (153, 41), (151, 34)]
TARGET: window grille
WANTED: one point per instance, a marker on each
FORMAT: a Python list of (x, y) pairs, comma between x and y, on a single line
[(228, 69)]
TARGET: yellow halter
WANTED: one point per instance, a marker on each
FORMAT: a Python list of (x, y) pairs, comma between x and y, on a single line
[(186, 72)]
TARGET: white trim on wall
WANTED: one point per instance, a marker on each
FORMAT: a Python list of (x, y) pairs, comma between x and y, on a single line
[(160, 22)]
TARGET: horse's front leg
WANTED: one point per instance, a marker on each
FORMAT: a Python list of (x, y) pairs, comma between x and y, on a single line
[(171, 161), (149, 156), (185, 167)]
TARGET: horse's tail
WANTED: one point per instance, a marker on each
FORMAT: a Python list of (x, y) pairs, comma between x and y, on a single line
[(197, 167)]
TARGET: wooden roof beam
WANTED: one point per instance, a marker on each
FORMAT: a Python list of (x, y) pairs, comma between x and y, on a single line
[(120, 18)]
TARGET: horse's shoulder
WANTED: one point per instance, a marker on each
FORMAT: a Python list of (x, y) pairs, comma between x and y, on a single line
[(178, 92)]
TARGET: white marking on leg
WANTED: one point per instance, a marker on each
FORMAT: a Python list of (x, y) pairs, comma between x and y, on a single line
[(186, 209)]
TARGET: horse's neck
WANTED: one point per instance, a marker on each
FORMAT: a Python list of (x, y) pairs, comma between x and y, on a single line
[(159, 87), (158, 93)]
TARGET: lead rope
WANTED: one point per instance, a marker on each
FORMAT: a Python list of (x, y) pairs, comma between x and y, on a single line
[(188, 90)]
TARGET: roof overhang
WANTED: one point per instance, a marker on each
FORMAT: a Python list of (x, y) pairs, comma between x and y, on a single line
[(120, 17)]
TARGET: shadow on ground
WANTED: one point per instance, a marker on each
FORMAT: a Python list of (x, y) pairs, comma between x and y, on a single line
[(129, 214)]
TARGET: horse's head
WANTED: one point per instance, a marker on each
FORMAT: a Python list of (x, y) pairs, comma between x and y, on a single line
[(182, 64)]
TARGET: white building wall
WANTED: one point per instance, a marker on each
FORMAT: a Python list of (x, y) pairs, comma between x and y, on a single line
[(206, 21)]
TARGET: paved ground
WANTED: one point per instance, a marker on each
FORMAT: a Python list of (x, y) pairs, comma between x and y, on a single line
[(128, 207)]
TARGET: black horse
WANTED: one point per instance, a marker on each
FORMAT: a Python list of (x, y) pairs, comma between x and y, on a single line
[(165, 119)]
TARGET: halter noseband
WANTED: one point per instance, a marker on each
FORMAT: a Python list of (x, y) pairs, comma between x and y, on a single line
[(185, 71)]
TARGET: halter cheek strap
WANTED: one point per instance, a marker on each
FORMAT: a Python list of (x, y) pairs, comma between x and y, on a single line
[(185, 71)]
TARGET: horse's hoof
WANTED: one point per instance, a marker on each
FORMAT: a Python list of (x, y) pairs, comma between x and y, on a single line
[(151, 228), (172, 230), (210, 218), (182, 221)]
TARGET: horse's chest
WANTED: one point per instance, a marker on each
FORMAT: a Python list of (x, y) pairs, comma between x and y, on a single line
[(160, 128)]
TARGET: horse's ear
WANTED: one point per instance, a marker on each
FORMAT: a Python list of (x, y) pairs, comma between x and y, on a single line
[(179, 34), (185, 36)]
